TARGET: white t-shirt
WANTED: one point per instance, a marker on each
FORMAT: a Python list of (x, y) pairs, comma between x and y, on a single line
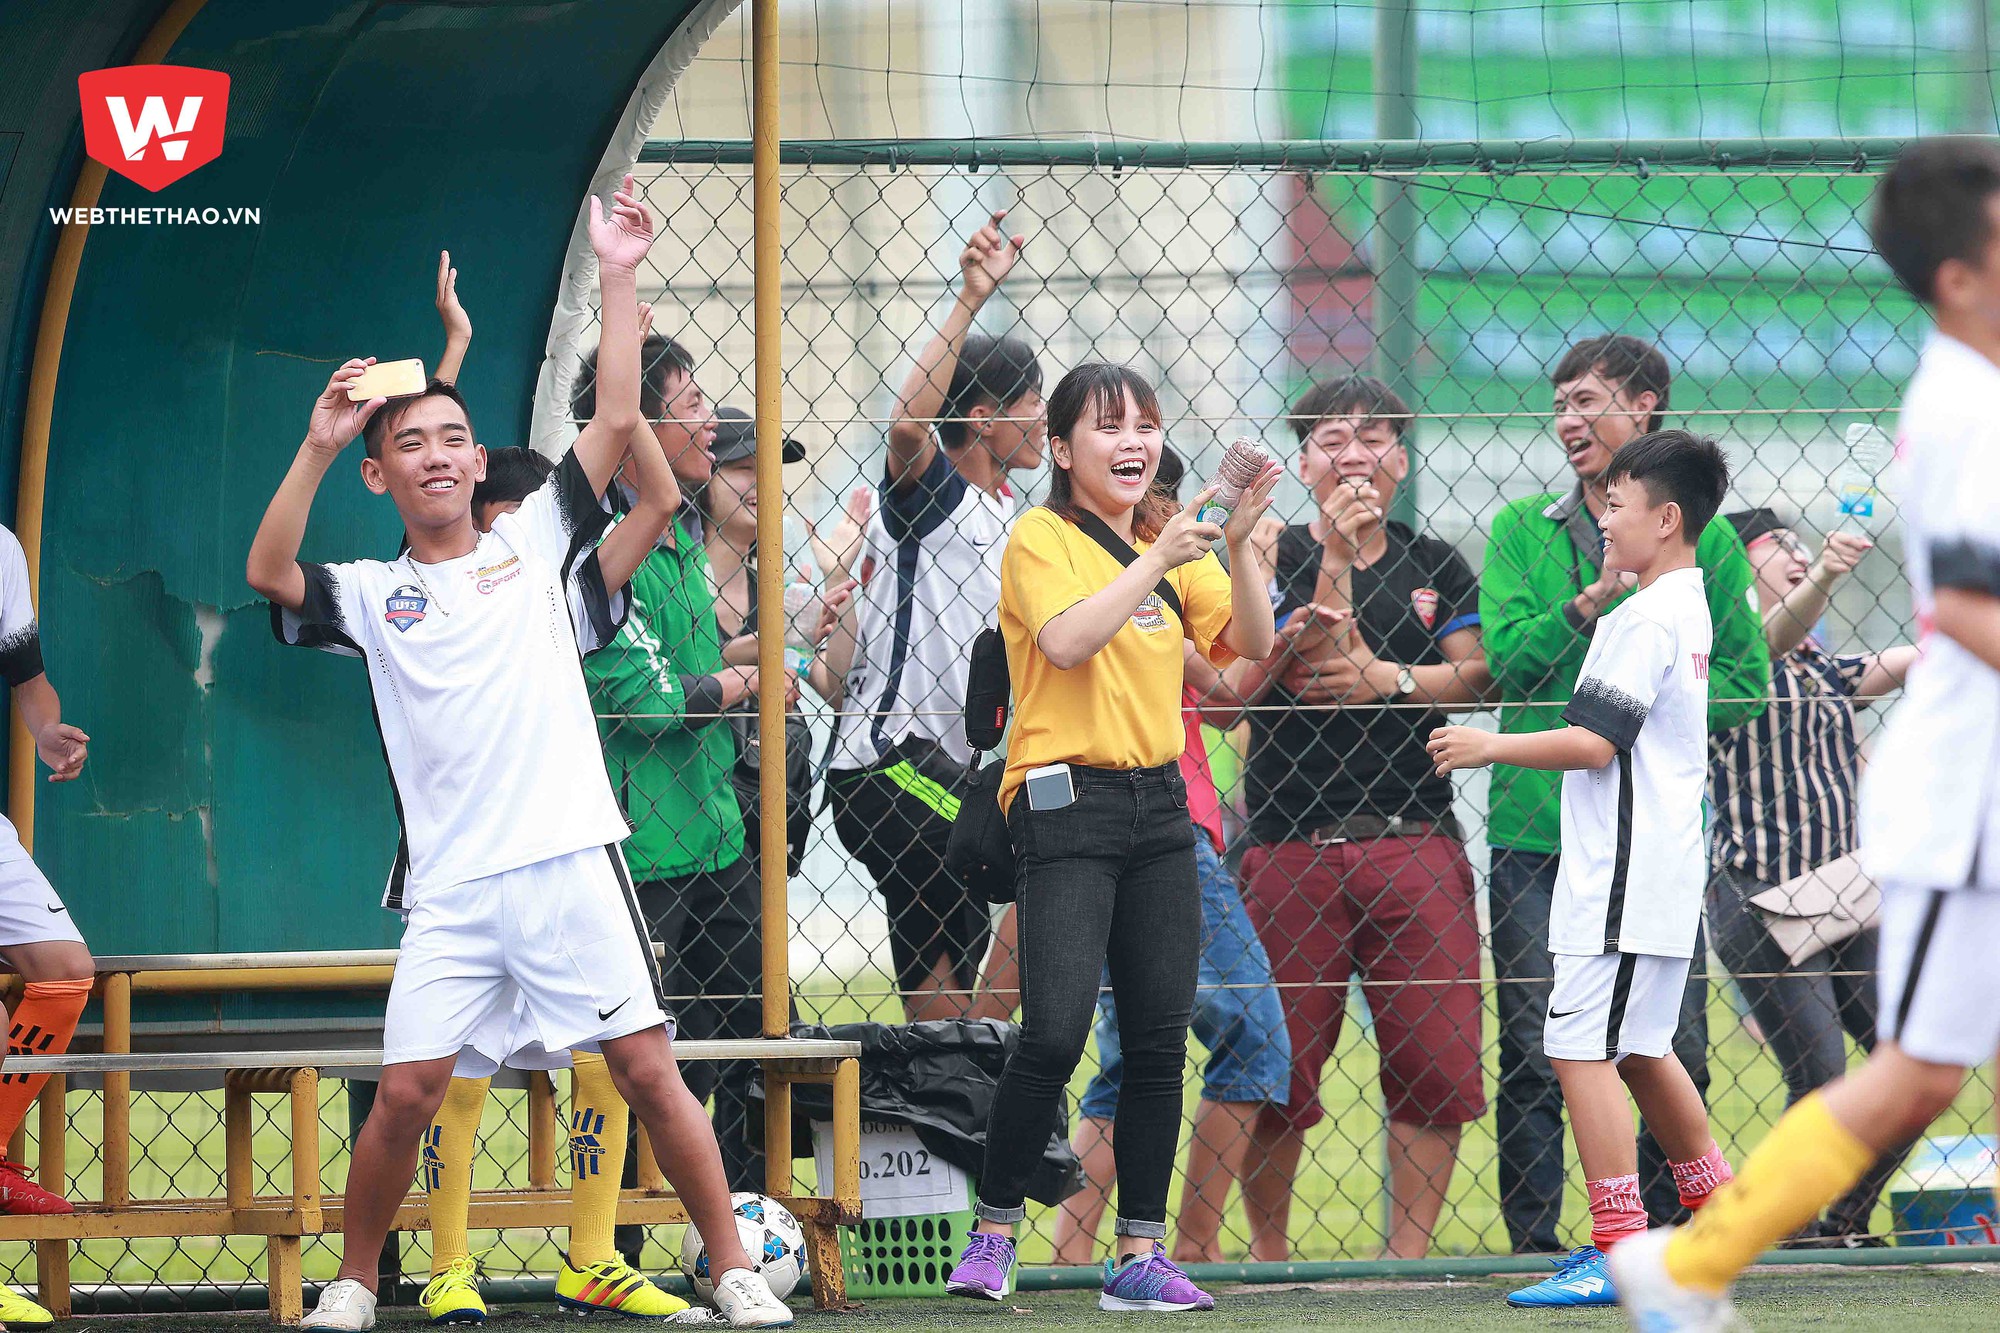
[(1634, 861), (1930, 799), (930, 581), (20, 648), (477, 672)]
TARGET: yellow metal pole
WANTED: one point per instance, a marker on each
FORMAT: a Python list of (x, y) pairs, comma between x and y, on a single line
[(117, 1092), (237, 1178), (52, 1256), (541, 1131), (770, 371)]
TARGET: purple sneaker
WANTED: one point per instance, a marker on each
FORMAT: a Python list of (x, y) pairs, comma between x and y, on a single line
[(1154, 1282), (985, 1268)]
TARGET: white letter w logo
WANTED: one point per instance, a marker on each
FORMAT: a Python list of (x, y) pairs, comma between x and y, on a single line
[(154, 124)]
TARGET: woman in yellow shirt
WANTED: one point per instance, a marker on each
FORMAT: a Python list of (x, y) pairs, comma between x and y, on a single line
[(1098, 811)]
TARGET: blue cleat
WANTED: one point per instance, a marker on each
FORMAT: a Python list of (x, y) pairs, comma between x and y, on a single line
[(1580, 1279)]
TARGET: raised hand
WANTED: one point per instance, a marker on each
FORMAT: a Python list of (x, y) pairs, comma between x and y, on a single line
[(336, 419), (1185, 537), (1353, 507), (836, 553), (621, 237), (1837, 559), (833, 602), (989, 257), (457, 324), (63, 748)]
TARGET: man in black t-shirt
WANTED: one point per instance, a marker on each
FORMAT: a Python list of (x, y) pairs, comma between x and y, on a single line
[(1357, 864)]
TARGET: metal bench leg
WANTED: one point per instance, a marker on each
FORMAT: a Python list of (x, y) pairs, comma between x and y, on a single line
[(282, 1277), (52, 1256)]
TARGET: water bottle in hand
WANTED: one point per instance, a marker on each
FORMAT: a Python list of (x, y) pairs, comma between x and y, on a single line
[(1869, 453), (1242, 463), (802, 611)]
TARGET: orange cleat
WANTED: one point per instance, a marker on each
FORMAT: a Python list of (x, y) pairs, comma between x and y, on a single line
[(22, 1197)]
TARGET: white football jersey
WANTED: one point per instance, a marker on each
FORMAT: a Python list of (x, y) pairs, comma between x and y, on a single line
[(930, 581), (1634, 860), (20, 648), (1930, 798), (476, 665)]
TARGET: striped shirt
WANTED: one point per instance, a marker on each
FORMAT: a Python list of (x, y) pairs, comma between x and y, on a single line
[(1782, 784)]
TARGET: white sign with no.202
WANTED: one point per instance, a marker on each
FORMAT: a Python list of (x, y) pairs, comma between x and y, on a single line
[(900, 1177)]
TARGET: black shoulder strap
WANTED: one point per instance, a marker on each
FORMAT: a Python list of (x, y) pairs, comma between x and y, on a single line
[(1121, 550)]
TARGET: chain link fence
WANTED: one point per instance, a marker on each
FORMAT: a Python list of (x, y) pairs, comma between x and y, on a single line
[(1234, 278)]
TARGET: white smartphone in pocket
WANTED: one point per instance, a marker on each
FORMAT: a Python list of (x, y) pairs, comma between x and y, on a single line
[(1049, 787)]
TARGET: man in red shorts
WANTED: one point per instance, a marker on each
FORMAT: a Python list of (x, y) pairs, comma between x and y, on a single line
[(1357, 865)]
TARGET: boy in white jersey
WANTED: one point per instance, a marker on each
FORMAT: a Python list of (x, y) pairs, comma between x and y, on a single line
[(1634, 864), (1930, 800), (513, 879), (930, 581)]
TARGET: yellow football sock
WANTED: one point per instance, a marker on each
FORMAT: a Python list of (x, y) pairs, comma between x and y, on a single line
[(599, 1125), (1808, 1160), (447, 1168)]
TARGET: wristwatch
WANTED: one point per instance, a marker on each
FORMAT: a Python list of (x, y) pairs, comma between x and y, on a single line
[(1406, 683)]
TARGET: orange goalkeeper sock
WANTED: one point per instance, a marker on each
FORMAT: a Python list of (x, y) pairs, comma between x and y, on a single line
[(44, 1021)]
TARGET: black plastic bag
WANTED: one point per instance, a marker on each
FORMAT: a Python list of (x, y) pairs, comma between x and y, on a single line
[(938, 1078)]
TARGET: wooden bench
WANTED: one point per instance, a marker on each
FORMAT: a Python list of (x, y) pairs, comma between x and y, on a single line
[(285, 1219)]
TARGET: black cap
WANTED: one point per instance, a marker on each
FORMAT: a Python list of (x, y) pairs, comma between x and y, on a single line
[(736, 438), (1750, 524)]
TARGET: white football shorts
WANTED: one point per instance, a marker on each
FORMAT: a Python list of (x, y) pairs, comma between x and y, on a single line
[(547, 957)]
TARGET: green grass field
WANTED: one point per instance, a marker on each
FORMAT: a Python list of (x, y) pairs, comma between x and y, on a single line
[(1938, 1300), (178, 1151)]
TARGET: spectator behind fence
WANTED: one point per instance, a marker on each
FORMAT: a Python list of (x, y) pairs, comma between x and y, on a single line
[(729, 513), (930, 578), (1782, 788), (1540, 596), (1237, 1014), (1357, 864), (1098, 810), (660, 689)]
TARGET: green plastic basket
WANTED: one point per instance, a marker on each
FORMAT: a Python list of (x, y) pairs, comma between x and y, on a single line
[(904, 1256)]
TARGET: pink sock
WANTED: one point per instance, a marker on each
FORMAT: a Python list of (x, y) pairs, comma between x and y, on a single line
[(1615, 1211), (1702, 1177)]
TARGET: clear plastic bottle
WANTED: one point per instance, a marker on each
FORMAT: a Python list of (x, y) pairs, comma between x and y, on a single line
[(802, 611), (1242, 463), (1863, 503)]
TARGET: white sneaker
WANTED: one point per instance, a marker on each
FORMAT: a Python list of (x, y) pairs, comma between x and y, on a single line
[(345, 1305), (1653, 1301), (745, 1299)]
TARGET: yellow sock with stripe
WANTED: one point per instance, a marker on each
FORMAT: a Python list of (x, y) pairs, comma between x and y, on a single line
[(447, 1168), (1808, 1160), (599, 1125)]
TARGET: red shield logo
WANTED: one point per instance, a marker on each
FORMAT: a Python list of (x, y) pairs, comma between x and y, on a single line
[(1424, 601), (153, 124)]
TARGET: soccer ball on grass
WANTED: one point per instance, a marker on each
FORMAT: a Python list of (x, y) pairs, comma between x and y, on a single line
[(771, 1237)]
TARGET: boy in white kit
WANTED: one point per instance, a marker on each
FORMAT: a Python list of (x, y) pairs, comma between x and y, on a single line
[(1634, 861), (1930, 800), (516, 888)]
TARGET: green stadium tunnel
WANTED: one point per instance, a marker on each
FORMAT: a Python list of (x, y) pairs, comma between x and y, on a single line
[(235, 798)]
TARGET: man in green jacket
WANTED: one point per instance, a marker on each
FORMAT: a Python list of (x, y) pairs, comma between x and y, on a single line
[(660, 689), (1540, 595)]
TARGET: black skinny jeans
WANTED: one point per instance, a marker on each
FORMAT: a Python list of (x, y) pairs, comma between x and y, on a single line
[(1108, 880)]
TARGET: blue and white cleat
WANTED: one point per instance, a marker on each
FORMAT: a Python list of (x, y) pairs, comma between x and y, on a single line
[(1580, 1279), (1653, 1301)]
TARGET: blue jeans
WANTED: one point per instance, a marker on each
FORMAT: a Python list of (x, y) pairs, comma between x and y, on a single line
[(1237, 1015), (1530, 1111)]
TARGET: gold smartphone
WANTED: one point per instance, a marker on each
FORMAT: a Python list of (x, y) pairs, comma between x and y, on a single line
[(388, 379)]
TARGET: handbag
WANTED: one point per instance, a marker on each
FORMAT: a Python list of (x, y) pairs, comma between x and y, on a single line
[(980, 850), (1820, 908)]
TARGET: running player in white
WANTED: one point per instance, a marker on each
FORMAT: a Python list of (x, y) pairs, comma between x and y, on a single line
[(514, 881), (1930, 801)]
